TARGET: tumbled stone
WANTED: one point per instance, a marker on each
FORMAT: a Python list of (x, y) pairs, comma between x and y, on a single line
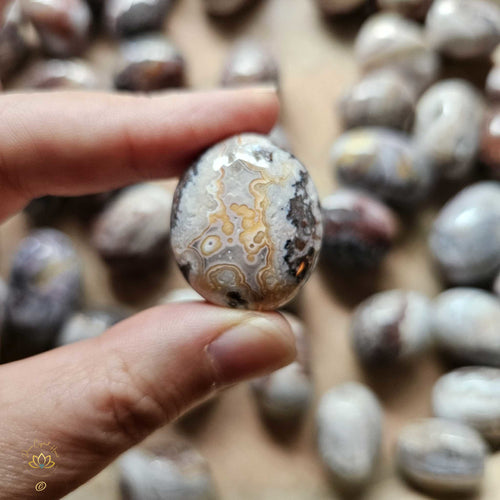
[(490, 141)]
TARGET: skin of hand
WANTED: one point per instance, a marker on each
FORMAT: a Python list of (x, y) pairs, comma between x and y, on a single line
[(95, 399)]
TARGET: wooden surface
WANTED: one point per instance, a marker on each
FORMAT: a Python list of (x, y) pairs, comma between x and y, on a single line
[(247, 461)]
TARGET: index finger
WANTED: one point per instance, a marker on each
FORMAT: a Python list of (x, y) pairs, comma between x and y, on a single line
[(76, 143)]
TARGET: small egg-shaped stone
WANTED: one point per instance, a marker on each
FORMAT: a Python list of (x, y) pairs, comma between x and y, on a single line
[(250, 63), (62, 25), (148, 63), (382, 98), (285, 395), (389, 40), (463, 29), (490, 141), (349, 434), (492, 85), (392, 326), (441, 456), (358, 230), (172, 469), (3, 303), (279, 137), (246, 224), (416, 9), (85, 325), (448, 125), (44, 289), (336, 7), (60, 74), (465, 237), (383, 162), (470, 395), (13, 44), (224, 8), (130, 17), (134, 227), (466, 326)]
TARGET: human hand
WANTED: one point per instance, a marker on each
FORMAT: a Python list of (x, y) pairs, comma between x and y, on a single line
[(97, 398)]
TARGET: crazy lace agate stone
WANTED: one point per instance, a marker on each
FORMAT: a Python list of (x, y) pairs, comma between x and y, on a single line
[(149, 62), (246, 224), (226, 7), (129, 17), (383, 162), (463, 29), (62, 25)]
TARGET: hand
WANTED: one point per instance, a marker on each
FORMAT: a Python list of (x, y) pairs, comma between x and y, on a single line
[(95, 399)]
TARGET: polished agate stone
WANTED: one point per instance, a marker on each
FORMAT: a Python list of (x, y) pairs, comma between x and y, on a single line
[(490, 142), (470, 395), (60, 74), (358, 230), (249, 64), (349, 424), (466, 326), (169, 469), (62, 25), (149, 63), (441, 456), (335, 7), (129, 17), (134, 226), (13, 44), (384, 163), (382, 98), (463, 29), (416, 9), (85, 325), (389, 40), (285, 394), (465, 237), (447, 127), (393, 326), (246, 224), (226, 7), (44, 289)]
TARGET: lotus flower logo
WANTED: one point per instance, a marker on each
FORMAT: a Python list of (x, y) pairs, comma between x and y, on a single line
[(41, 462)]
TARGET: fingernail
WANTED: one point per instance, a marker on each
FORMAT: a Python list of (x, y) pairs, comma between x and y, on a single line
[(256, 346), (265, 89)]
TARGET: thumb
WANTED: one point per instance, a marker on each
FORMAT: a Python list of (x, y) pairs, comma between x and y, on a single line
[(94, 399)]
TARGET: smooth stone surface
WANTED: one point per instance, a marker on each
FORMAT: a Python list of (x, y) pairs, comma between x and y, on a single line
[(148, 63), (44, 289), (391, 41), (286, 394), (134, 226), (490, 142), (465, 236), (383, 162), (173, 470), (130, 17), (250, 63), (85, 325), (466, 326), (13, 44), (349, 422), (60, 74), (463, 29), (62, 25), (441, 456), (382, 98), (226, 7), (335, 7), (392, 326), (448, 125), (246, 224), (416, 9), (492, 85), (470, 395), (358, 230)]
